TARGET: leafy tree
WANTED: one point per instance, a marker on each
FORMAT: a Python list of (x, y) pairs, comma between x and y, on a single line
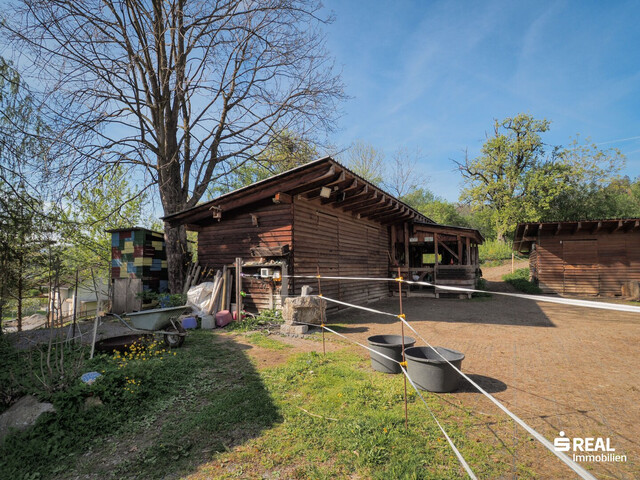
[(178, 89), (107, 203), (367, 161), (437, 209), (23, 224), (23, 242), (285, 151), (515, 179)]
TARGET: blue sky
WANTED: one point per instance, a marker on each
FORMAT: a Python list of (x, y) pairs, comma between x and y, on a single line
[(434, 75)]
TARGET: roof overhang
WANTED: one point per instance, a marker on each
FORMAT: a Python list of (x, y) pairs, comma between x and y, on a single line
[(528, 233), (325, 180)]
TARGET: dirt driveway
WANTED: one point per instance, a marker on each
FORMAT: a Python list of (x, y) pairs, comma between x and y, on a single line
[(558, 368)]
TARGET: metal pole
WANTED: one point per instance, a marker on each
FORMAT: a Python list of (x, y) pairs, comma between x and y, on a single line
[(404, 360), (75, 310)]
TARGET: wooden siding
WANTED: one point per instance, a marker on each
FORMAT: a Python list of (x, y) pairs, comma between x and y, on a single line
[(587, 264), (236, 235), (339, 244)]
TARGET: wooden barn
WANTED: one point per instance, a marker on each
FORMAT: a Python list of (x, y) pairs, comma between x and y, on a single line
[(594, 257), (321, 217)]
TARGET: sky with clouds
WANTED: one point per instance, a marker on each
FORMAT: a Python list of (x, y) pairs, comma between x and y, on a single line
[(435, 74)]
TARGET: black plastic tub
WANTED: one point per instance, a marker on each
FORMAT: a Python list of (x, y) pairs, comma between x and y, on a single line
[(121, 343), (430, 372), (391, 346)]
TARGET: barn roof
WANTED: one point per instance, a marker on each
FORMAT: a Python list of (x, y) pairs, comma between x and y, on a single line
[(325, 179), (527, 233)]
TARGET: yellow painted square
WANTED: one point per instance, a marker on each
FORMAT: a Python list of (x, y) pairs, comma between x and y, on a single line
[(128, 246)]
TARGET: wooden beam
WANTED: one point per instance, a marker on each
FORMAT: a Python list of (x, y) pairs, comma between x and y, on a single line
[(366, 206), (631, 225), (406, 244), (597, 228), (449, 250), (358, 206), (558, 228), (321, 182), (270, 191), (396, 217), (577, 229), (436, 247), (383, 211), (467, 242), (459, 241), (344, 193), (281, 197), (334, 185), (618, 227), (356, 197)]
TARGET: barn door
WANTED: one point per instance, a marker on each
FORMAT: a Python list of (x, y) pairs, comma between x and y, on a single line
[(580, 267)]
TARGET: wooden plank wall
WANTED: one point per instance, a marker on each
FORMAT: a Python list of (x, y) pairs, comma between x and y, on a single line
[(219, 243), (611, 260), (340, 245)]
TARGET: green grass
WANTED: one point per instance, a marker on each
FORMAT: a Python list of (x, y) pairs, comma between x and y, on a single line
[(264, 341), (206, 411), (520, 281)]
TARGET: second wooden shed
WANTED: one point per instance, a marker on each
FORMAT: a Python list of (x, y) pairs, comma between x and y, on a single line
[(588, 257)]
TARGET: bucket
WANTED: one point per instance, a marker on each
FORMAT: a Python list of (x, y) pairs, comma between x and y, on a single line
[(391, 346), (430, 372)]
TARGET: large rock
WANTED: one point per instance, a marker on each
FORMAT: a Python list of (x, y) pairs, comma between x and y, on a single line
[(22, 415), (304, 310)]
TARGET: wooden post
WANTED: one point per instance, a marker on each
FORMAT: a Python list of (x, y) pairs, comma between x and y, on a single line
[(512, 261), (435, 263), (468, 245), (238, 288), (406, 253), (406, 246)]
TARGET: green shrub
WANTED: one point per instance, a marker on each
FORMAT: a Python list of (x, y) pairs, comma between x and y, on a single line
[(494, 250), (264, 319), (520, 281)]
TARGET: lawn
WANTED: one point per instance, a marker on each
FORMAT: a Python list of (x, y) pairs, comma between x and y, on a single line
[(208, 412)]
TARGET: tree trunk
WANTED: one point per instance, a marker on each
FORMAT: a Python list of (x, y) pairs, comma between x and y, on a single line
[(177, 255), (20, 288)]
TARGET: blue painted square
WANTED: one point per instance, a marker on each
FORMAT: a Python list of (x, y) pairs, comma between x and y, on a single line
[(115, 239)]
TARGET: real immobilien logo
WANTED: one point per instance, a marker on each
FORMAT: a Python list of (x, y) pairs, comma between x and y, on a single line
[(593, 449)]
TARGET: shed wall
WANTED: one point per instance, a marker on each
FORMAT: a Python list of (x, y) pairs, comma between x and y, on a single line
[(339, 244), (219, 243), (587, 264)]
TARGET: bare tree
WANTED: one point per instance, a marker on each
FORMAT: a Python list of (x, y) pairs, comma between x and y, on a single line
[(404, 175), (177, 90)]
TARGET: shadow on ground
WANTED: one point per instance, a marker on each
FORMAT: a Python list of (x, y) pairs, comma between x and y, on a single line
[(494, 310), (489, 384), (213, 400)]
